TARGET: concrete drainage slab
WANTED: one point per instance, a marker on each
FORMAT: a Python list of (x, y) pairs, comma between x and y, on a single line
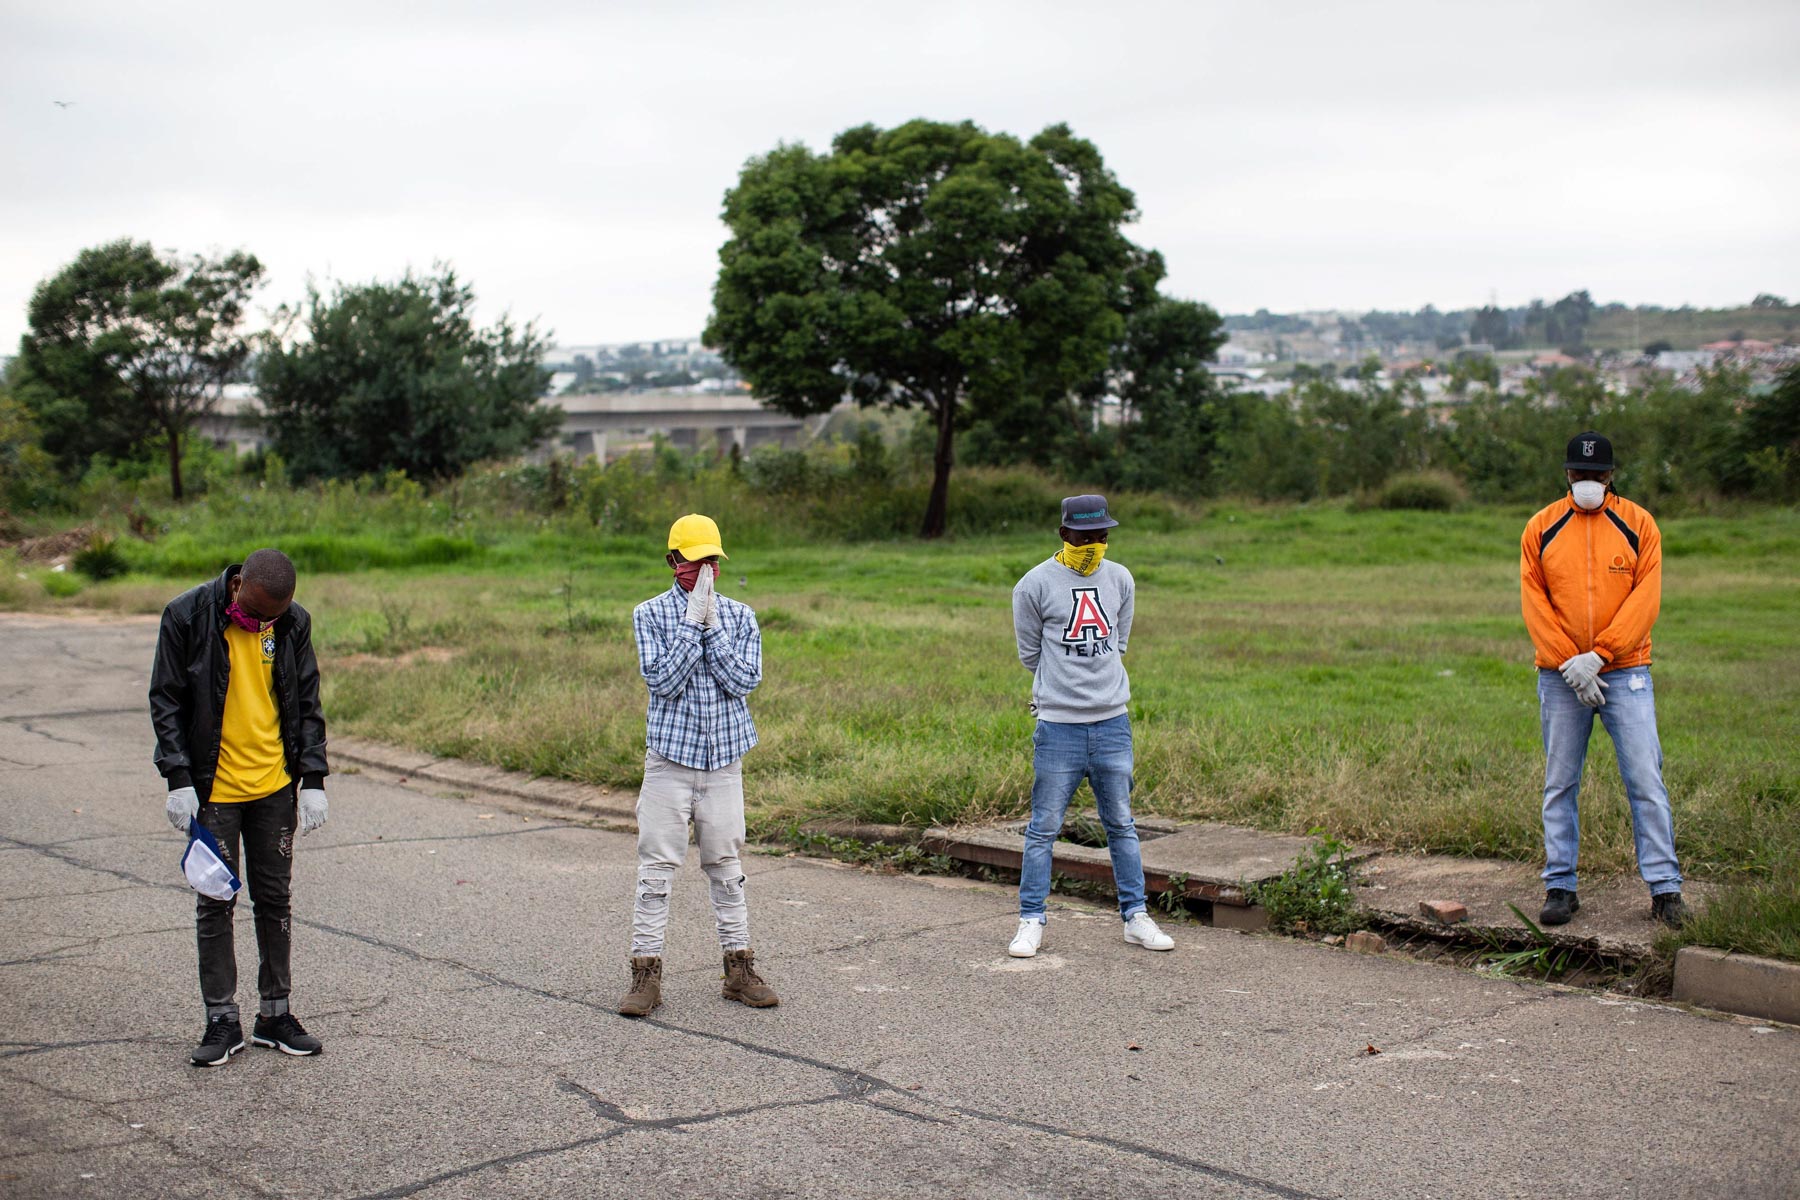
[(1204, 861)]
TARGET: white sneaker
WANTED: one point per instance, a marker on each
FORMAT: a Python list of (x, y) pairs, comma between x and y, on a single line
[(1025, 943), (1142, 931)]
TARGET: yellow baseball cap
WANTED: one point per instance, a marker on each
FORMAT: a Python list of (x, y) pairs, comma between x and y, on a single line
[(696, 537)]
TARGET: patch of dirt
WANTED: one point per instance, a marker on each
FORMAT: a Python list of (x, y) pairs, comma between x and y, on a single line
[(428, 654), (54, 548)]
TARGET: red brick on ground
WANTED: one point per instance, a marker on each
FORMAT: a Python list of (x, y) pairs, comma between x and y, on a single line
[(1445, 912)]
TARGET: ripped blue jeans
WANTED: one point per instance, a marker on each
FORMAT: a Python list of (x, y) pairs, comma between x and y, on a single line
[(672, 796)]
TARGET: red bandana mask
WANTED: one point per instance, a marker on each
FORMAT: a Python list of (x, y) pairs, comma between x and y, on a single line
[(687, 574), (246, 623)]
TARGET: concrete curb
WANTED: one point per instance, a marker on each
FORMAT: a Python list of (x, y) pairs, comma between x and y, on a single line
[(582, 799), (1738, 983)]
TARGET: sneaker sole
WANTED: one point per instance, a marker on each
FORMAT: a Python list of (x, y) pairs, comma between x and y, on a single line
[(282, 1046), (1146, 945), (218, 1062), (1032, 953)]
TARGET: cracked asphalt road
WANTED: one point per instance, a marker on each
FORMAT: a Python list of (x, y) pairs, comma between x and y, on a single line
[(460, 962)]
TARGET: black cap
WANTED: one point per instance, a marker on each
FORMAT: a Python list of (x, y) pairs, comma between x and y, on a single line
[(1086, 512), (1589, 452)]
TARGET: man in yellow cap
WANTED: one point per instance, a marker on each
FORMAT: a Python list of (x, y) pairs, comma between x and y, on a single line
[(701, 655)]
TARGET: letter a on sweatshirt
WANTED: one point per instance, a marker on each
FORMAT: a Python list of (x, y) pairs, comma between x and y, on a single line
[(1087, 620)]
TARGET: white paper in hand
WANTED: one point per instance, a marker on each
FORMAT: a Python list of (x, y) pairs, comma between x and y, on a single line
[(205, 868)]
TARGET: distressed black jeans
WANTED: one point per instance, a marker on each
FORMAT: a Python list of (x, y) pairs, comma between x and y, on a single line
[(266, 828)]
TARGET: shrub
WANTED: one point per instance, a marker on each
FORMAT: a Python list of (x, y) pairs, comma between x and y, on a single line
[(1313, 896), (100, 558), (61, 584), (1427, 491)]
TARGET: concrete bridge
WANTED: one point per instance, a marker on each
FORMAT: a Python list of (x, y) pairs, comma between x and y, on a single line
[(593, 426)]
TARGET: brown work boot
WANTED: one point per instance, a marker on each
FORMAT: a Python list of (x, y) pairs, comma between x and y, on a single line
[(743, 984), (646, 987)]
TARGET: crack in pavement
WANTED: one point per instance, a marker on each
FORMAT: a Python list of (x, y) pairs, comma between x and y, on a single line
[(848, 1076), (447, 837), (412, 1189), (609, 1111), (128, 887), (857, 944), (21, 718), (835, 1070), (21, 1049), (81, 1149), (61, 953), (169, 1144), (622, 1123)]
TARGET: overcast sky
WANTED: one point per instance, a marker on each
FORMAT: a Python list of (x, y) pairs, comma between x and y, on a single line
[(568, 157)]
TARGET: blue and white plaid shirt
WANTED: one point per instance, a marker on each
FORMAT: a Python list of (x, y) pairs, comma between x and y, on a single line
[(698, 679)]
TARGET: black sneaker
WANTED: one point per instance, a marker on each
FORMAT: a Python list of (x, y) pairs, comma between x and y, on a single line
[(1559, 905), (224, 1038), (285, 1034), (1669, 909)]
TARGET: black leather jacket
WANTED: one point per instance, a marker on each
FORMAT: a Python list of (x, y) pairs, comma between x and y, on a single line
[(193, 670)]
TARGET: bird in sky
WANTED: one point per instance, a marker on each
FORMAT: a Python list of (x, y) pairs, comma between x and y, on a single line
[(63, 103)]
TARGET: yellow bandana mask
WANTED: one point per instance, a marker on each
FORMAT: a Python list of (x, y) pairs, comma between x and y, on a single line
[(1083, 560)]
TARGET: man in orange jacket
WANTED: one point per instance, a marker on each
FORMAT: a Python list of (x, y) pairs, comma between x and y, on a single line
[(1590, 582)]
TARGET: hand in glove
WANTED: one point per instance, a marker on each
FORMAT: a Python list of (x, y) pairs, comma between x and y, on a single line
[(313, 809), (1591, 692), (713, 620), (183, 807), (700, 600), (1582, 668)]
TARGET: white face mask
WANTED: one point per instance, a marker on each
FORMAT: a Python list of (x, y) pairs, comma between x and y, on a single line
[(1589, 494)]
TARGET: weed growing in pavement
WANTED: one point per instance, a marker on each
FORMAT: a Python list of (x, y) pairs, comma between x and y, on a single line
[(1312, 896), (1173, 900), (1543, 959), (1084, 830)]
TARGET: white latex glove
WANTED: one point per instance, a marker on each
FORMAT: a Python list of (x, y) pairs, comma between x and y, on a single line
[(1582, 668), (313, 809), (701, 598), (713, 620), (183, 807), (1592, 692)]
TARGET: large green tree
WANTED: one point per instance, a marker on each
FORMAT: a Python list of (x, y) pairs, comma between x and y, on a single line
[(127, 347), (397, 376), (933, 266), (1170, 419)]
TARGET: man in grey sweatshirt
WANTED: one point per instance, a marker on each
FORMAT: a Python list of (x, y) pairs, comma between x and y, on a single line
[(1072, 619)]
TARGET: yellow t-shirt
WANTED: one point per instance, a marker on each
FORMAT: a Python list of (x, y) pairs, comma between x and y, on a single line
[(252, 763)]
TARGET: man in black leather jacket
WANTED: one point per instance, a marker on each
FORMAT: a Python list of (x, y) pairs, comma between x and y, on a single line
[(234, 700)]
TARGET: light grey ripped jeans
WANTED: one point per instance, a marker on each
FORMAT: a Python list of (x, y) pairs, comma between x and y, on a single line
[(673, 795)]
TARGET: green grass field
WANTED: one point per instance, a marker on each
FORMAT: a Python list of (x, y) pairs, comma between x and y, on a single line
[(1366, 672)]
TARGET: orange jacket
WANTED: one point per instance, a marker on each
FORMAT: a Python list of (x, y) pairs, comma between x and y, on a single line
[(1591, 581)]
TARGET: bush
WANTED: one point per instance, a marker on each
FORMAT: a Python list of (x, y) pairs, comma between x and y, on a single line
[(62, 584), (100, 558), (1427, 491), (1313, 896)]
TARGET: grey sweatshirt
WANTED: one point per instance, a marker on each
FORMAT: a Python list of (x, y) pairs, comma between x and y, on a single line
[(1072, 631)]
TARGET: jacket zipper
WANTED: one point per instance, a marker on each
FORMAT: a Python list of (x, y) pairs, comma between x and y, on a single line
[(1589, 564)]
